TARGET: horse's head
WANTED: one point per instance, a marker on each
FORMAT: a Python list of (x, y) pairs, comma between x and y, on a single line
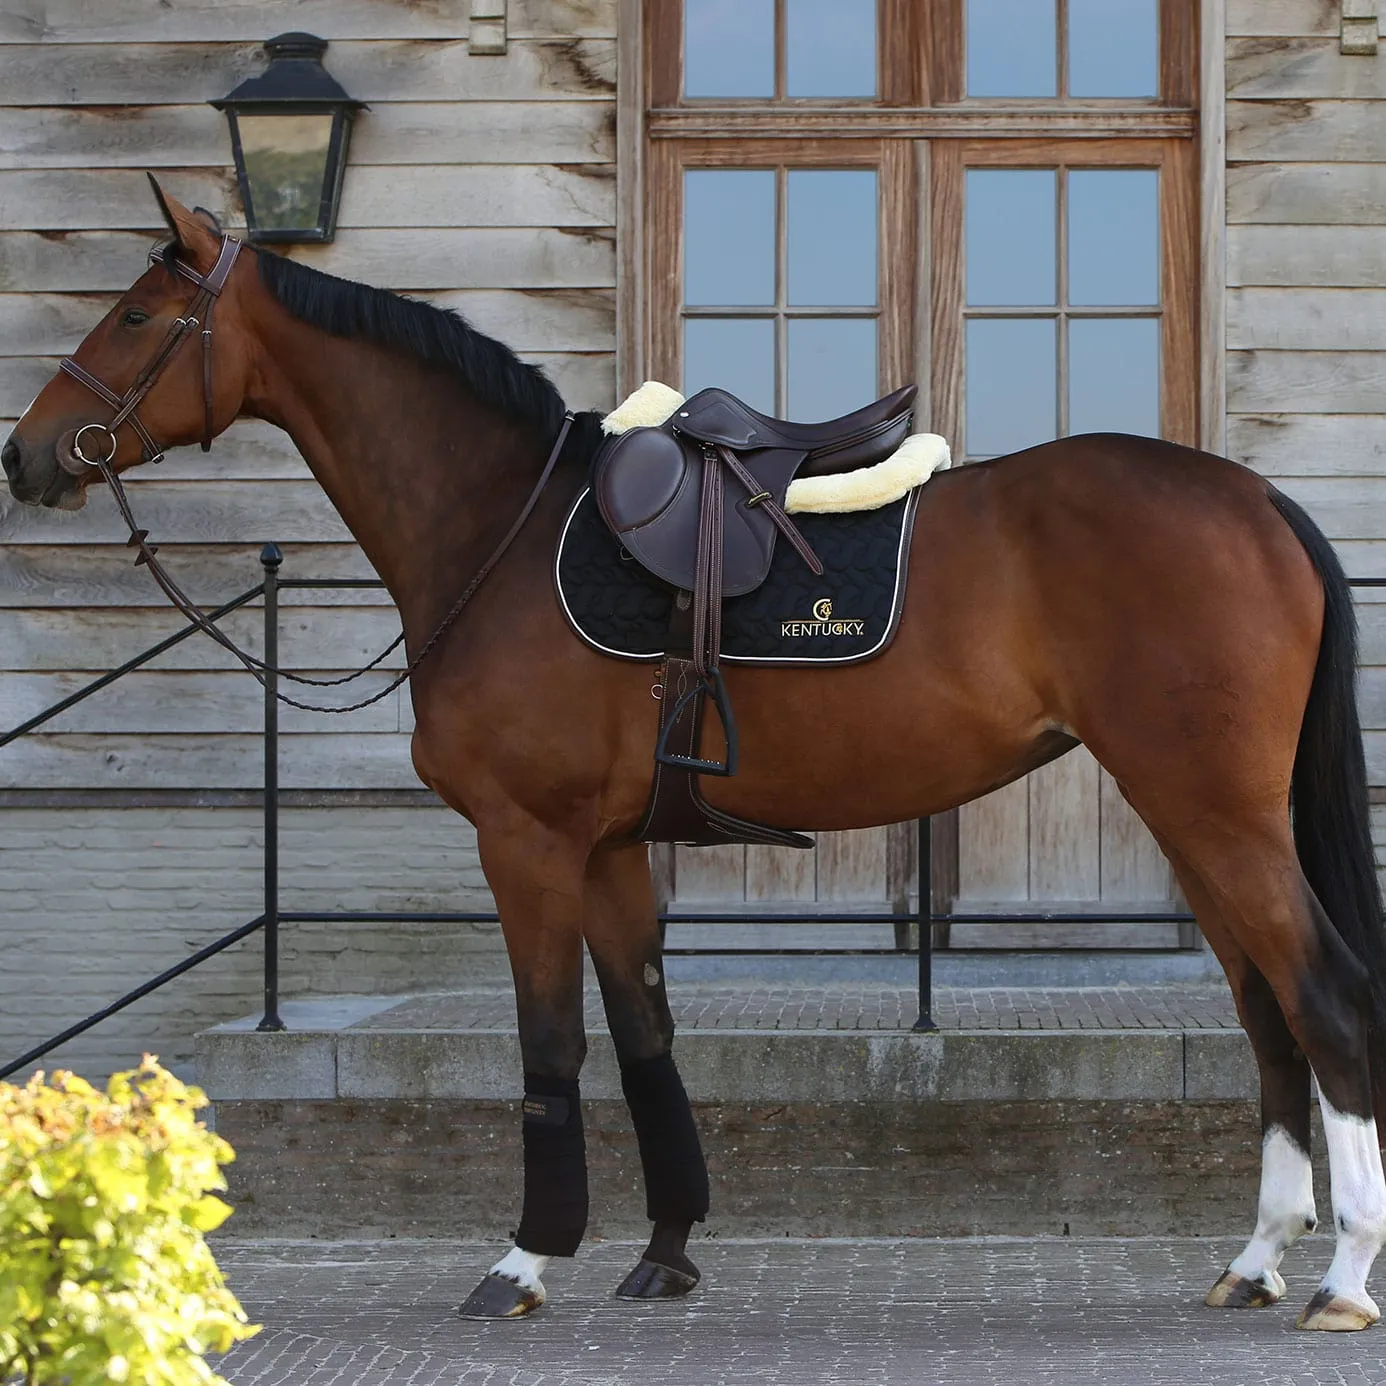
[(148, 339)]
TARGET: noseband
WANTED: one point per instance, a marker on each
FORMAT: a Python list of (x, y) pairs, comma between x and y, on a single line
[(197, 314)]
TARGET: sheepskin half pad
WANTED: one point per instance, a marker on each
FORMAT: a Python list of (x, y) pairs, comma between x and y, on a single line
[(847, 615), (867, 488)]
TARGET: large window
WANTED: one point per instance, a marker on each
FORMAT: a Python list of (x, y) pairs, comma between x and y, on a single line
[(812, 164)]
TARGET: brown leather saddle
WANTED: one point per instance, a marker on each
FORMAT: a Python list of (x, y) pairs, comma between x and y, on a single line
[(699, 502)]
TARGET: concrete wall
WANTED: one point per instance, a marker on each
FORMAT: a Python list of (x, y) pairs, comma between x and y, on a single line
[(98, 901)]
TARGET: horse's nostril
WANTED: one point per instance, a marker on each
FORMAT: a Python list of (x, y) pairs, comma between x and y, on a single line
[(9, 458)]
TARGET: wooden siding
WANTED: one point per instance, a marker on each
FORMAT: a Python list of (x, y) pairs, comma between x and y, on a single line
[(484, 183), (1306, 298)]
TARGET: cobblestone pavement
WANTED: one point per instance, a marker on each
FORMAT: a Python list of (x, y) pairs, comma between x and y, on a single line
[(861, 1006), (793, 1313)]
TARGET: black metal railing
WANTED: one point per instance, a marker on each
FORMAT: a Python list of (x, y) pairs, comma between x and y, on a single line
[(923, 919)]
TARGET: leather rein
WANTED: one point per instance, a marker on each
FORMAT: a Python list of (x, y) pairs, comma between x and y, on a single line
[(199, 314)]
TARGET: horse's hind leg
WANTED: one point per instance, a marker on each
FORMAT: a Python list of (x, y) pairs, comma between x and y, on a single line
[(1285, 1208), (536, 875), (1252, 876), (622, 931)]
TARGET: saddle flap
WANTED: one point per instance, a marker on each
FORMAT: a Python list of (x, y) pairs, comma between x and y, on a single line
[(714, 416), (636, 475), (647, 485)]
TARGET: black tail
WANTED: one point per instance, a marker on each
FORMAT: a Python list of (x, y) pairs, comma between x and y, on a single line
[(1328, 790)]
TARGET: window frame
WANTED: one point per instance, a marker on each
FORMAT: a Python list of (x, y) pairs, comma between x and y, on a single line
[(1175, 160), (923, 74), (893, 164), (1177, 72), (898, 77)]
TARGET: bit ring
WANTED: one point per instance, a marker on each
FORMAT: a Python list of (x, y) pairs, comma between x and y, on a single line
[(94, 461)]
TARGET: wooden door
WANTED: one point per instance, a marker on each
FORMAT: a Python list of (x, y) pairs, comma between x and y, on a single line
[(1063, 303), (791, 282), (740, 101)]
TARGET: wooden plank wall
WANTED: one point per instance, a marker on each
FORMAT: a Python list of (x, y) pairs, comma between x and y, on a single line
[(486, 183), (1306, 298)]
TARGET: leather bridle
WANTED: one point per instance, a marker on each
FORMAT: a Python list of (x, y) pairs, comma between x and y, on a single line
[(198, 314)]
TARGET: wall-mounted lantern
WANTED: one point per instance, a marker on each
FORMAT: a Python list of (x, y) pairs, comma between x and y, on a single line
[(289, 132)]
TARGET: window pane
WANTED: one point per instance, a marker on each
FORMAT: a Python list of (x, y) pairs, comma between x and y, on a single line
[(1114, 375), (1010, 384), (832, 367), (832, 238), (1011, 259), (1113, 47), (729, 237), (1012, 48), (736, 353), (729, 47), (830, 47), (1113, 236)]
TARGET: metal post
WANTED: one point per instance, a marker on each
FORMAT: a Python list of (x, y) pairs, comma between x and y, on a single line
[(924, 920), (270, 559)]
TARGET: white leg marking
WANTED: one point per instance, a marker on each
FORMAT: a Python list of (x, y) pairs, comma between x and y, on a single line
[(1359, 1202), (523, 1268), (1285, 1212)]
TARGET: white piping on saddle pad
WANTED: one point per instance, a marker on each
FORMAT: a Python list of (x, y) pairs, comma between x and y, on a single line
[(867, 488)]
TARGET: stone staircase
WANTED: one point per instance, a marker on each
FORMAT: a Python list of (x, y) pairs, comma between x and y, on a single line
[(1118, 1109)]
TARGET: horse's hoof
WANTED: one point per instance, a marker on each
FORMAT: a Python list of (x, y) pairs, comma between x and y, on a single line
[(650, 1280), (1234, 1291), (499, 1298), (1330, 1313)]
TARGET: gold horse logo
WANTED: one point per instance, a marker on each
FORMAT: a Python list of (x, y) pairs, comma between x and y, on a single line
[(822, 608)]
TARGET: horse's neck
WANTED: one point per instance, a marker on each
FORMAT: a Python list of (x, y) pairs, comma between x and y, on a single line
[(420, 472)]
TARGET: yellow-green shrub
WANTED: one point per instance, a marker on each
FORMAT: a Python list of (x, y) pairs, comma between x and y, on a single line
[(104, 1200)]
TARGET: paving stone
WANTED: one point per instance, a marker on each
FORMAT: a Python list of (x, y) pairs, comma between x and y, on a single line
[(979, 1312), (859, 1006)]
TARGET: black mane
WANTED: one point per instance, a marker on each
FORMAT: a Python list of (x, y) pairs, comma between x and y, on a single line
[(436, 336)]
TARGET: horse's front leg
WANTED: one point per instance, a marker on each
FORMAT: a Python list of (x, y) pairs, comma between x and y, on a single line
[(536, 875), (622, 931)]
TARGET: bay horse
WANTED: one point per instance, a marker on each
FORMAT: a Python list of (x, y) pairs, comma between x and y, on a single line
[(1167, 608)]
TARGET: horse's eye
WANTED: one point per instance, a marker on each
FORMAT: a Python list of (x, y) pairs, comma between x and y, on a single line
[(132, 317)]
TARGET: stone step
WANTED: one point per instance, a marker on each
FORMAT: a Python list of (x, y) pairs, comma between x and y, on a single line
[(1116, 1110), (763, 1045)]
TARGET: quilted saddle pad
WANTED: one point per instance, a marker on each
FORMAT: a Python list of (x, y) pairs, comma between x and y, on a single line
[(847, 615)]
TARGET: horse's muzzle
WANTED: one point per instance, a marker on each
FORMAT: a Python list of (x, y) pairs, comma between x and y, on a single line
[(38, 478), (25, 486), (11, 461)]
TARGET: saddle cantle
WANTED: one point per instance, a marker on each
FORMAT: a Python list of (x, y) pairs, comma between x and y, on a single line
[(698, 500)]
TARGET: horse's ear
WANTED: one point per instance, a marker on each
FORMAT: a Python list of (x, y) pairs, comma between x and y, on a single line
[(167, 211), (197, 233)]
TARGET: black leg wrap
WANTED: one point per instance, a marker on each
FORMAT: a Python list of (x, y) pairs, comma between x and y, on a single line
[(555, 1212), (670, 1151)]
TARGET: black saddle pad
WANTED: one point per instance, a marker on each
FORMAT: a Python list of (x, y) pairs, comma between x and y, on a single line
[(848, 614)]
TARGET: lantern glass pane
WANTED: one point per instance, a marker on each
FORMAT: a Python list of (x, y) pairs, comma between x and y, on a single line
[(285, 168)]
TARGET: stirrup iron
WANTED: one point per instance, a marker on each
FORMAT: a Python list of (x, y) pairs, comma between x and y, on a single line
[(711, 684)]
